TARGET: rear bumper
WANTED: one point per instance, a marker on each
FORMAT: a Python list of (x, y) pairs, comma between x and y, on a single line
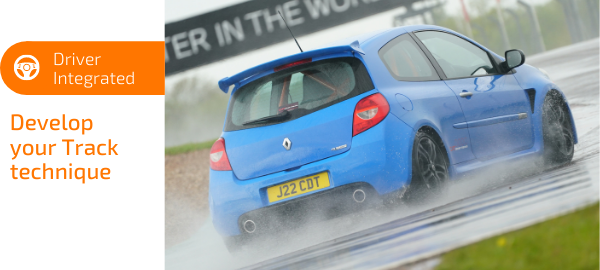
[(321, 205), (379, 157)]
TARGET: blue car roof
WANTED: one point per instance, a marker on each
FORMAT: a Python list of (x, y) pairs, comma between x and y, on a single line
[(228, 81), (354, 44), (351, 44)]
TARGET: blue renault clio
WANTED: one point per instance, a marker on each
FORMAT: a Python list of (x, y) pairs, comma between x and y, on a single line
[(373, 118)]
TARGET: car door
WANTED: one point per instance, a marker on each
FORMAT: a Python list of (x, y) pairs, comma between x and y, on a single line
[(496, 108), (418, 96)]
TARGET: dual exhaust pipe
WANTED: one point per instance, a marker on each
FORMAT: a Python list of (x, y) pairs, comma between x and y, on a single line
[(249, 226), (358, 196)]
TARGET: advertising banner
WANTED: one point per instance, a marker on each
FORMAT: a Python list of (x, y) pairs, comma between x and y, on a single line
[(251, 25)]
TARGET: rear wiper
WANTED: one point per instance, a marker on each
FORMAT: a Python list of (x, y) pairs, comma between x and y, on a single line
[(272, 118)]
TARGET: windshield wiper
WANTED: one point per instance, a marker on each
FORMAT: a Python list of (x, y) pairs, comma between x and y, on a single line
[(271, 118)]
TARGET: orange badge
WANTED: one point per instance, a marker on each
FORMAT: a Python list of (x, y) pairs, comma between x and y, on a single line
[(85, 68)]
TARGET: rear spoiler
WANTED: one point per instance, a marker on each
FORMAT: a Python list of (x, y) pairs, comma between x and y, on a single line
[(225, 83)]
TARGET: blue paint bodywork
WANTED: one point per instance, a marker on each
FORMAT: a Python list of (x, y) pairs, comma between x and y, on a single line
[(490, 124)]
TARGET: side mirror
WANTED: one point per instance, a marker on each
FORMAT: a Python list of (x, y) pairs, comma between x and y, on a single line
[(514, 58)]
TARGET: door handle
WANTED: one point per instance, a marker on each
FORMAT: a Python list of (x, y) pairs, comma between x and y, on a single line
[(465, 94)]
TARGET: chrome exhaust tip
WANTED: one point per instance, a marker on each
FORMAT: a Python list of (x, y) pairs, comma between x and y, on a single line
[(249, 226), (359, 196)]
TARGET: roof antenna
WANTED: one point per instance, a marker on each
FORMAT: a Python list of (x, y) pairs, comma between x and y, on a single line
[(290, 31)]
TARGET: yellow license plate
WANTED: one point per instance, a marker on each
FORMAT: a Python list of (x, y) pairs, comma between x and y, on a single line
[(299, 186)]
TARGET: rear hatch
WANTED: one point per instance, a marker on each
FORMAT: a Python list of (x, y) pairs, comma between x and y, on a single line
[(303, 103)]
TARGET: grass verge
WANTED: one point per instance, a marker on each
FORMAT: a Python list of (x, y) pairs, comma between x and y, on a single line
[(189, 147), (567, 242)]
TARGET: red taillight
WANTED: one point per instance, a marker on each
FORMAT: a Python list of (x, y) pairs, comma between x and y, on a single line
[(368, 112), (299, 62), (218, 157)]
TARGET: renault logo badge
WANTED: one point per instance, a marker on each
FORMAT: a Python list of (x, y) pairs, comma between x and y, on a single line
[(287, 144)]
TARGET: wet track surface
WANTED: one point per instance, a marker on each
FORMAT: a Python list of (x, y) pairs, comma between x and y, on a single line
[(473, 209)]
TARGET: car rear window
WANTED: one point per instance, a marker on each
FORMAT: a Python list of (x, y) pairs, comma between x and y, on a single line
[(296, 92)]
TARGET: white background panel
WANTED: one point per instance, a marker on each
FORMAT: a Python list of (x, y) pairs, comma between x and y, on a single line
[(103, 224)]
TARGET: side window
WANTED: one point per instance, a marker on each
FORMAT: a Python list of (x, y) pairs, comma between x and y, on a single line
[(456, 56), (405, 61)]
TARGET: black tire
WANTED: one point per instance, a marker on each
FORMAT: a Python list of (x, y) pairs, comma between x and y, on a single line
[(559, 143), (429, 169)]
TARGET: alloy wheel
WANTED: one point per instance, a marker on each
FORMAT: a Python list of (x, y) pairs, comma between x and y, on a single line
[(558, 134), (431, 163)]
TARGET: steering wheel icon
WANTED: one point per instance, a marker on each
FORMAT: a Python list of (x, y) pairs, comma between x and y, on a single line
[(27, 67)]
